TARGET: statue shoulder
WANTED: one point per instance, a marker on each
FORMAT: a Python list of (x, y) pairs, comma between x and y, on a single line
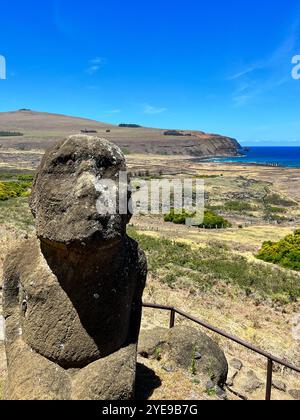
[(21, 254)]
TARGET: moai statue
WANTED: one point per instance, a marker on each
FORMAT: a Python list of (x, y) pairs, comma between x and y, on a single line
[(73, 294)]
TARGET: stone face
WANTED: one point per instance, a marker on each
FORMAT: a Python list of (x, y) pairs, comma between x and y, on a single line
[(182, 347), (73, 296), (69, 183)]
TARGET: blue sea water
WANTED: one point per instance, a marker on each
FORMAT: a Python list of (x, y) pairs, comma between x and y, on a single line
[(282, 156)]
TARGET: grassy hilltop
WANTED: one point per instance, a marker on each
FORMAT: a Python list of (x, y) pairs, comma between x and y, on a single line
[(39, 130)]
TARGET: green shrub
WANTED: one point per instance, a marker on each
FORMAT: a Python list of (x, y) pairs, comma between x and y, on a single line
[(238, 206), (211, 219), (273, 209), (14, 189), (278, 200), (285, 252), (271, 217)]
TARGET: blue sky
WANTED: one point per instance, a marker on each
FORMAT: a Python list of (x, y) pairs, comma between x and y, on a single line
[(220, 66)]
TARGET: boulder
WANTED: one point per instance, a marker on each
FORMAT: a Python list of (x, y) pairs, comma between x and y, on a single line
[(236, 364), (279, 385), (252, 382), (187, 349), (295, 393)]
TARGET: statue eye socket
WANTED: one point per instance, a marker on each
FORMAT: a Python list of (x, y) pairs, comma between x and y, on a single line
[(64, 159), (103, 162)]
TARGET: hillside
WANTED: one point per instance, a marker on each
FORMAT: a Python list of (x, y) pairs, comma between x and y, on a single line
[(40, 130)]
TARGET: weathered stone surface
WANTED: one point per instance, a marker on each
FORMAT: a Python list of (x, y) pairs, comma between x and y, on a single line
[(68, 185), (2, 329), (232, 378), (295, 393), (151, 340), (252, 382), (111, 378), (180, 346), (185, 342), (33, 377), (73, 296), (77, 311), (279, 385), (236, 364)]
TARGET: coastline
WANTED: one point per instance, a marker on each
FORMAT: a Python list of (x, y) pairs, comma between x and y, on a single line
[(272, 157)]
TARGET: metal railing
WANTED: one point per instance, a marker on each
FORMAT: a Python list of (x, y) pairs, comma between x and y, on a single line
[(270, 358)]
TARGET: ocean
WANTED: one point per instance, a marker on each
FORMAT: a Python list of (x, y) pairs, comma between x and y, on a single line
[(281, 156)]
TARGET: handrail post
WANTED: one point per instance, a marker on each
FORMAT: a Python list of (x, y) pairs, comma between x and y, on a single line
[(269, 380), (172, 318)]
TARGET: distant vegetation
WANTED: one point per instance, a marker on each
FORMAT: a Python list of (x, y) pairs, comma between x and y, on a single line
[(285, 252), (238, 206), (13, 189), (278, 200), (14, 185), (17, 177), (215, 266), (176, 133), (211, 219), (130, 125), (10, 134), (209, 176), (89, 131)]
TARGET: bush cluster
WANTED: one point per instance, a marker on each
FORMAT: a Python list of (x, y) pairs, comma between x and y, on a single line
[(285, 252), (211, 219), (10, 134), (14, 189)]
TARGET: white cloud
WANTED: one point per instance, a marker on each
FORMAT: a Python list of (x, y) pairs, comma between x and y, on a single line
[(97, 60), (95, 65), (152, 110), (243, 73)]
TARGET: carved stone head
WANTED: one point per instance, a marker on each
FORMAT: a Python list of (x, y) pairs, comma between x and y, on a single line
[(70, 184)]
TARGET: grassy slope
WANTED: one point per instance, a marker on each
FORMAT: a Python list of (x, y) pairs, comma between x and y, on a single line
[(215, 266)]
